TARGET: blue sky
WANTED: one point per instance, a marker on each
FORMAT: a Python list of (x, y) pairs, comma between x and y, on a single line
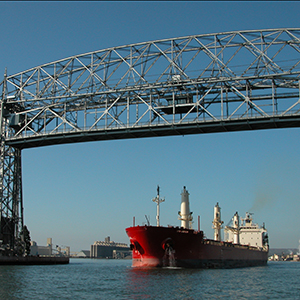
[(81, 193)]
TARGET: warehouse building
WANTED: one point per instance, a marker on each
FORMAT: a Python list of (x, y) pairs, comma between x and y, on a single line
[(48, 250), (105, 249)]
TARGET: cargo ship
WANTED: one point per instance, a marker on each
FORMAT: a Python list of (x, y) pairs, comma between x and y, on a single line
[(245, 243)]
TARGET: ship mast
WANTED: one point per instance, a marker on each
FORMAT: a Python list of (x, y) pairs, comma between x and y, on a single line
[(157, 200)]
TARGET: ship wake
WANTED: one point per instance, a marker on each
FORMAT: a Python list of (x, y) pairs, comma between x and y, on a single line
[(169, 258)]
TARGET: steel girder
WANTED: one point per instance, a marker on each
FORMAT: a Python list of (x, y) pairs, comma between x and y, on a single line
[(249, 76), (11, 205), (228, 81)]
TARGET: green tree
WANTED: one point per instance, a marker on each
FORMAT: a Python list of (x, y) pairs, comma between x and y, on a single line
[(27, 239)]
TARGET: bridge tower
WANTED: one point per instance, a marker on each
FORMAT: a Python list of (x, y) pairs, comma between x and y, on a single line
[(11, 207)]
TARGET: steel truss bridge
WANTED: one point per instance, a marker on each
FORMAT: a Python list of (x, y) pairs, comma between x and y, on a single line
[(228, 81)]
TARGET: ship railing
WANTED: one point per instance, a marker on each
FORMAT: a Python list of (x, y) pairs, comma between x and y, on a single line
[(229, 244)]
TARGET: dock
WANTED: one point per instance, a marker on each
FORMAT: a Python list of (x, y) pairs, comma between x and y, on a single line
[(33, 260)]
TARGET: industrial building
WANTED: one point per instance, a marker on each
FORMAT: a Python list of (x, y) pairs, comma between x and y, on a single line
[(83, 254), (108, 249), (48, 250)]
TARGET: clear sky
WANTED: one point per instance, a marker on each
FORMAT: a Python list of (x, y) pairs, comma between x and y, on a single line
[(81, 193)]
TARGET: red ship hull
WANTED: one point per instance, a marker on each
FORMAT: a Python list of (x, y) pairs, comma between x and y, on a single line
[(177, 247)]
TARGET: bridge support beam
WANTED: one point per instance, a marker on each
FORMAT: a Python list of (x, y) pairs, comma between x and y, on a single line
[(11, 205), (11, 200)]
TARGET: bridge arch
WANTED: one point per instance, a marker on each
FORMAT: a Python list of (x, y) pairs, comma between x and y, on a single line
[(228, 81)]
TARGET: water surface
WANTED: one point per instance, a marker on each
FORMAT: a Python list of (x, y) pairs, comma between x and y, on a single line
[(116, 279)]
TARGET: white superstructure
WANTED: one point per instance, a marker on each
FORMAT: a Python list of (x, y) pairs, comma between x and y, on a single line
[(185, 215), (248, 233)]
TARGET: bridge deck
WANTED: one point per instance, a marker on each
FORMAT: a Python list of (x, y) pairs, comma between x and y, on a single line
[(156, 131)]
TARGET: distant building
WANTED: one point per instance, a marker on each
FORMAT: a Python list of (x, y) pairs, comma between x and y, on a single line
[(41, 250), (83, 254), (105, 249), (283, 254), (48, 250), (122, 254), (63, 251), (289, 257)]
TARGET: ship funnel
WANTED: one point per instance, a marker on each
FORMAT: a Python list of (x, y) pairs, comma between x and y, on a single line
[(217, 223), (185, 215)]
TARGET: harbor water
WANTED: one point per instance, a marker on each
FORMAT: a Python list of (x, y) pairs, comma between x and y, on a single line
[(116, 279)]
